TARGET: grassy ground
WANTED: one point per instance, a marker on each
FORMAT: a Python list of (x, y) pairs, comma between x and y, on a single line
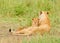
[(17, 13)]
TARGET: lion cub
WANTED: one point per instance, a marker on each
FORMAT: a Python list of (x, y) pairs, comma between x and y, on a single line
[(35, 22)]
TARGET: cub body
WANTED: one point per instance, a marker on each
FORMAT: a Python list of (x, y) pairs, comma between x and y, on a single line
[(28, 30)]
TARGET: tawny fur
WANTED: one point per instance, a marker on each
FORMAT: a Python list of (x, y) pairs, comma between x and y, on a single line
[(35, 22), (42, 24), (29, 30)]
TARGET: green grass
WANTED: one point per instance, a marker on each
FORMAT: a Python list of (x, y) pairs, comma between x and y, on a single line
[(22, 11)]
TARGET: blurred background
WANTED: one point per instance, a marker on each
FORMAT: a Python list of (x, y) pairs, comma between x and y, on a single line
[(18, 13)]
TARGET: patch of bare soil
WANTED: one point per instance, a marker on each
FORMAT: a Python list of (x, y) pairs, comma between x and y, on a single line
[(6, 36)]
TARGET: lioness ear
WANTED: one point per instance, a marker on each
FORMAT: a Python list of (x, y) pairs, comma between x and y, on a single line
[(47, 12)]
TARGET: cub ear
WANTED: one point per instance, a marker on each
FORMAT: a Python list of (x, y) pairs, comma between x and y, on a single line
[(40, 12), (32, 19)]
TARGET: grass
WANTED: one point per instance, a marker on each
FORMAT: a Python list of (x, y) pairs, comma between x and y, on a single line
[(17, 13)]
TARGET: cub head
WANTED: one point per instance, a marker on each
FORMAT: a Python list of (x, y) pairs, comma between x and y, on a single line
[(35, 22)]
